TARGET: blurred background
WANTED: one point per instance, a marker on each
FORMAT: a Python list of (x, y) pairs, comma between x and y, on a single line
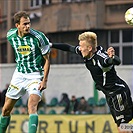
[(70, 87), (62, 21)]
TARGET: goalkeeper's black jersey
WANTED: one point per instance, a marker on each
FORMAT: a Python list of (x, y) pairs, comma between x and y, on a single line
[(102, 72)]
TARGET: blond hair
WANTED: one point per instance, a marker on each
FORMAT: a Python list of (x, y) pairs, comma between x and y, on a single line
[(90, 38)]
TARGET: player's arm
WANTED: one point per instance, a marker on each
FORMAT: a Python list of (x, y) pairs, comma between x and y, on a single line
[(45, 51), (46, 67), (113, 59), (43, 84), (63, 47)]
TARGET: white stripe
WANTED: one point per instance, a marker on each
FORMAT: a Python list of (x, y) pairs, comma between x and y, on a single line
[(33, 51), (28, 62), (14, 44), (101, 54), (119, 85), (77, 48), (19, 43), (45, 49), (119, 98), (104, 69), (11, 32), (37, 36)]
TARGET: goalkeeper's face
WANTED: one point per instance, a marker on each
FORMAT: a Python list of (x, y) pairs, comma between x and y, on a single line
[(85, 48), (24, 26)]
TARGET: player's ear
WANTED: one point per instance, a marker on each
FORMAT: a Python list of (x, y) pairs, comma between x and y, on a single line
[(90, 48), (17, 25)]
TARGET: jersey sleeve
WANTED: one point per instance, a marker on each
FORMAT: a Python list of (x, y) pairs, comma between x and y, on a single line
[(105, 60), (44, 43), (78, 51), (102, 57), (11, 33), (66, 47), (115, 60)]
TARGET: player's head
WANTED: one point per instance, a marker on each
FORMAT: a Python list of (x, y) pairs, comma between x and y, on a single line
[(88, 43), (22, 22)]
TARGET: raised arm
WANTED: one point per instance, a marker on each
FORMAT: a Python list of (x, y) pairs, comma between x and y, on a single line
[(63, 47), (114, 59)]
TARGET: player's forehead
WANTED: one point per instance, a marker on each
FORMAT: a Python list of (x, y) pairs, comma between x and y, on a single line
[(24, 20), (82, 42)]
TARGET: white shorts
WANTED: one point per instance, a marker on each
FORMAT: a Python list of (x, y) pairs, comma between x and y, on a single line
[(24, 83)]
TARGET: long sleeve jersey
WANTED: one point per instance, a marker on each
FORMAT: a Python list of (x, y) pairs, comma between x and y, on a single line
[(100, 65)]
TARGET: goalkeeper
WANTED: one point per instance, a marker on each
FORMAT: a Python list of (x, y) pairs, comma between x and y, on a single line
[(101, 66)]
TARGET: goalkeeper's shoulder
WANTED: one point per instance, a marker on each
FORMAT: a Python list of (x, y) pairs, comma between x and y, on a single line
[(11, 33)]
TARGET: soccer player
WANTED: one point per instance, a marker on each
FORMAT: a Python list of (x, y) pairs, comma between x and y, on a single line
[(101, 66), (31, 49)]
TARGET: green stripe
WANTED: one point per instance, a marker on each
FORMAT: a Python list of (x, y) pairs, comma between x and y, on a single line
[(95, 93)]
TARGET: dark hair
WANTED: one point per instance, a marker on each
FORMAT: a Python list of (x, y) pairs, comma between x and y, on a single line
[(82, 97), (19, 15)]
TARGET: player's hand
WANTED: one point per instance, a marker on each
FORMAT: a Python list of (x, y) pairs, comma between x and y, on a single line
[(110, 52), (43, 85)]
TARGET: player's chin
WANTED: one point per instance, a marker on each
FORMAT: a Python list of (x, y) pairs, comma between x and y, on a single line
[(84, 55)]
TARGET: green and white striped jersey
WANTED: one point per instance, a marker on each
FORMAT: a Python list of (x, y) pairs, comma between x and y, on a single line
[(29, 50)]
